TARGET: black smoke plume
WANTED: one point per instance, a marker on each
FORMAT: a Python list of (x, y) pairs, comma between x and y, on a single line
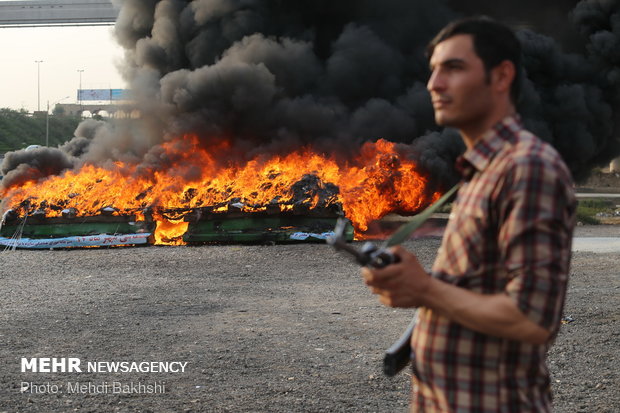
[(276, 75), (31, 165), (572, 100), (272, 75)]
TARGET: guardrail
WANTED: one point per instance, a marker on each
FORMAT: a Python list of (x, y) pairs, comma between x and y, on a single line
[(57, 13)]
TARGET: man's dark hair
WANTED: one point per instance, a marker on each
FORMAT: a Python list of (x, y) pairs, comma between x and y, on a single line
[(493, 43)]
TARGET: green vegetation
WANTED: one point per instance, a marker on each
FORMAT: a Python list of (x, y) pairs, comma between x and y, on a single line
[(588, 209), (18, 129)]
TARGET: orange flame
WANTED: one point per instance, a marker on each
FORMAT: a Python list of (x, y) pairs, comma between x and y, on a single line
[(378, 181)]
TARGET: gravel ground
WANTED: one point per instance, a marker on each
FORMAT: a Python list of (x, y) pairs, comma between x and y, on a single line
[(286, 328)]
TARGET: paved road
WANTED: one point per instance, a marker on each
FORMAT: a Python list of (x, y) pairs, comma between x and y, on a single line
[(596, 195), (597, 244)]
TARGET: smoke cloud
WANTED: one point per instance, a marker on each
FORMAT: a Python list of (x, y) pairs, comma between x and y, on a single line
[(571, 100), (30, 165), (272, 75)]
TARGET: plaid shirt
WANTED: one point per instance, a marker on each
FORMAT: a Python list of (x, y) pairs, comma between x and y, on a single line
[(510, 232)]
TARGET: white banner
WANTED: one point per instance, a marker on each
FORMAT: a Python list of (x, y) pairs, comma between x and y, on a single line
[(302, 236), (101, 240)]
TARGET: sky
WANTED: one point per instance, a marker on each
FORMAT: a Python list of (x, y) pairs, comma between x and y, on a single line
[(64, 51)]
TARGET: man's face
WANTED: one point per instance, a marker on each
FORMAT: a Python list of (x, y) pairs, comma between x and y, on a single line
[(459, 86)]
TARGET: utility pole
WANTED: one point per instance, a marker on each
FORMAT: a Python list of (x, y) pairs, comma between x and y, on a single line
[(38, 62), (47, 120)]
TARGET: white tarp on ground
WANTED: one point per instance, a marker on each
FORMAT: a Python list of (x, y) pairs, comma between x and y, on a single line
[(102, 240)]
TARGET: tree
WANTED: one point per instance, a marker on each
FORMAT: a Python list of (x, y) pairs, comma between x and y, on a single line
[(18, 129)]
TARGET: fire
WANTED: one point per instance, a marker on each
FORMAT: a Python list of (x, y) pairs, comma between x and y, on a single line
[(170, 231), (379, 180)]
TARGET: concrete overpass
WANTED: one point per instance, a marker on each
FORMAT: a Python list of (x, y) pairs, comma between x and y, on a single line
[(57, 13)]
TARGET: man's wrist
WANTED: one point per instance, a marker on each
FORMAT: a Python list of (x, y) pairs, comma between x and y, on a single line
[(429, 291)]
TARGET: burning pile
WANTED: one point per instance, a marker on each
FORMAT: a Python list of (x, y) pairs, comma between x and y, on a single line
[(263, 106), (377, 181)]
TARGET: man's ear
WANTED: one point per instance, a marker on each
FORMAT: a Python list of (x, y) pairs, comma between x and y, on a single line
[(503, 75)]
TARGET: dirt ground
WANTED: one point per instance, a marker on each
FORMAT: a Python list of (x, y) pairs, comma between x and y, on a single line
[(285, 328)]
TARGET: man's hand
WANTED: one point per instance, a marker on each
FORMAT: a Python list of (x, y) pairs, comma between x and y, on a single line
[(407, 284), (402, 284)]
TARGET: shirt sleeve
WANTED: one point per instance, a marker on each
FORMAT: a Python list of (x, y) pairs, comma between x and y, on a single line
[(536, 223)]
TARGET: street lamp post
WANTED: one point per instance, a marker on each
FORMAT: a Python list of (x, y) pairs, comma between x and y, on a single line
[(38, 62), (47, 125), (80, 71)]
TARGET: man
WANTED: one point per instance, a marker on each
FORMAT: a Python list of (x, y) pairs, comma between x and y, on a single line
[(493, 303)]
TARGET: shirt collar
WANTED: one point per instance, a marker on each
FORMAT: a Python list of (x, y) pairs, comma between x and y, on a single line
[(478, 157)]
